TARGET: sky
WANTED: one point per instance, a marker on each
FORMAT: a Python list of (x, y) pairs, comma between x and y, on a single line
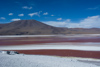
[(59, 13)]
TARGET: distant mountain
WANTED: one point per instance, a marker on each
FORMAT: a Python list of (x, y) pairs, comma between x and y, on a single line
[(33, 27), (28, 27), (83, 31)]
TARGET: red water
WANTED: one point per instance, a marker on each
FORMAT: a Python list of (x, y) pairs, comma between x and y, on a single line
[(64, 53), (37, 40)]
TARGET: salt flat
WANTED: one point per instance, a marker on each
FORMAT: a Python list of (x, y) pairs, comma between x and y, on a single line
[(21, 60), (74, 46), (67, 35)]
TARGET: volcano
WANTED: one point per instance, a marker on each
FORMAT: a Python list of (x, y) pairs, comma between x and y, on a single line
[(28, 27)]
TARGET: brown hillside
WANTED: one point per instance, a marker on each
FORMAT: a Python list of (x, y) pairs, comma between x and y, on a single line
[(28, 27)]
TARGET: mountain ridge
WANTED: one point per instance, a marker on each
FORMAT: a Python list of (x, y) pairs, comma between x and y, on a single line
[(22, 27), (33, 27)]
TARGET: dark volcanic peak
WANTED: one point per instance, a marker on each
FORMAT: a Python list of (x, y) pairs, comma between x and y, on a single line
[(25, 27), (30, 23)]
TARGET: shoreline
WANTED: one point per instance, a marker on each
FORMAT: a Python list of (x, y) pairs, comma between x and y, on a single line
[(63, 53)]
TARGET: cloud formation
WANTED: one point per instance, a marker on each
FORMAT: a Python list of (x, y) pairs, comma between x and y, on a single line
[(35, 13), (15, 19), (10, 14), (3, 18), (94, 8), (68, 20), (55, 23), (26, 7), (40, 11), (89, 22), (59, 18), (20, 14), (52, 15), (46, 13)]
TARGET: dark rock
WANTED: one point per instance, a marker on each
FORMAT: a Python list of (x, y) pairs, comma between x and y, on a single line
[(9, 52)]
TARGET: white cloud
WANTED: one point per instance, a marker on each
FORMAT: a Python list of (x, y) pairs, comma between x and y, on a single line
[(89, 22), (20, 14), (59, 18), (46, 13), (40, 11), (15, 19), (3, 18), (68, 20), (10, 14), (35, 13), (26, 7), (52, 15), (55, 23), (94, 8)]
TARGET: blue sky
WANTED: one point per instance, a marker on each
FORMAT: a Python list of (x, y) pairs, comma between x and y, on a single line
[(59, 13)]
